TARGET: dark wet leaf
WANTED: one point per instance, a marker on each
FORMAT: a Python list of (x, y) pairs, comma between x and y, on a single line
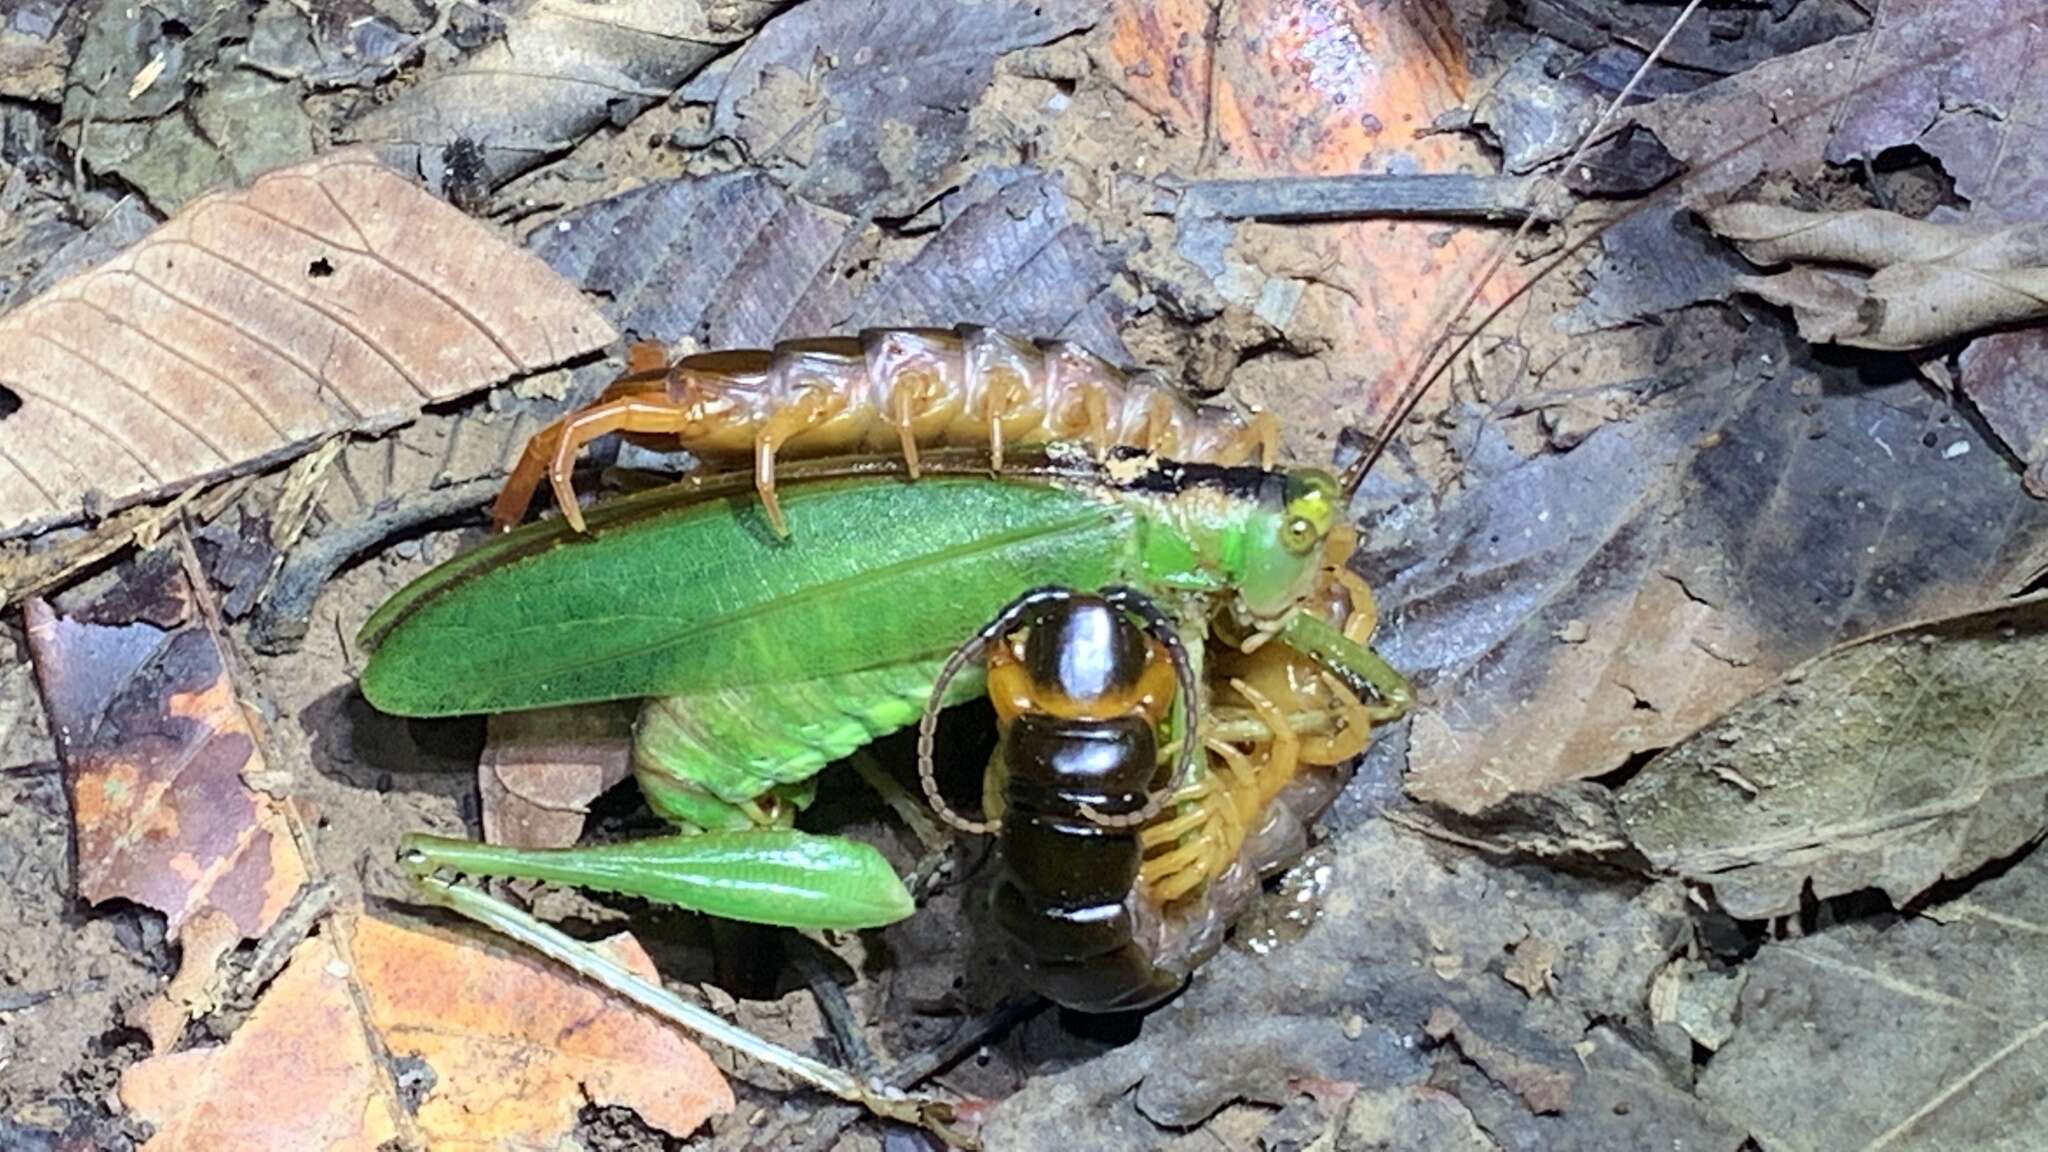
[(877, 132), (1533, 117), (1407, 932), (37, 40), (160, 99), (554, 72), (1892, 763), (77, 251), (1718, 41), (734, 261), (1564, 611), (1629, 163), (157, 749), (1925, 1032), (731, 261)]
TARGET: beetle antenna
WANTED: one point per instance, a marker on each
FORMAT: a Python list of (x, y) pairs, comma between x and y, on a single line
[(928, 724)]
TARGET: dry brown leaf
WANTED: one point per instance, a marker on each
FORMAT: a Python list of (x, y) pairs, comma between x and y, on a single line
[(516, 1048), (326, 297), (1931, 282), (540, 770), (156, 748)]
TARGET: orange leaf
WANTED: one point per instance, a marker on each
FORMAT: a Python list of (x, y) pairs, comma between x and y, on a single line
[(1307, 88), (299, 1073), (157, 749), (515, 1046), (328, 296)]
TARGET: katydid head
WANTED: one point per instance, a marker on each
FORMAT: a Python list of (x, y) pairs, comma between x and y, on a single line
[(1284, 537)]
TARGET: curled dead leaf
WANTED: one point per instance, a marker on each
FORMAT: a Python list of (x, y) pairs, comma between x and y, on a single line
[(558, 71), (326, 297), (1930, 282)]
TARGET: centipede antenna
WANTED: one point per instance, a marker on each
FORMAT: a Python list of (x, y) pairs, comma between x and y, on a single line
[(1160, 627), (928, 724), (1424, 376)]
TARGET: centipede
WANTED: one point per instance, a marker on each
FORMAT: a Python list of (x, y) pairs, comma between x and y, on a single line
[(886, 389)]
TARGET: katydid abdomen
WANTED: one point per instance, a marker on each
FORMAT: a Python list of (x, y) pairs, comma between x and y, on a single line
[(700, 757)]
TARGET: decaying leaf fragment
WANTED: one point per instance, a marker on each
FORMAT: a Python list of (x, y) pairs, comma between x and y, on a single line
[(1929, 282), (514, 1047), (299, 1073), (540, 770), (1892, 762), (158, 751), (326, 297), (558, 71), (1927, 1032)]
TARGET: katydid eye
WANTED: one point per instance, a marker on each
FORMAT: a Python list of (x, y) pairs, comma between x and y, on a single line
[(1299, 535)]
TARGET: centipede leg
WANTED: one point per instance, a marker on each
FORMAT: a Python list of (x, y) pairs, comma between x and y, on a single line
[(780, 427), (905, 430), (1096, 404), (1283, 754), (1264, 431), (552, 452)]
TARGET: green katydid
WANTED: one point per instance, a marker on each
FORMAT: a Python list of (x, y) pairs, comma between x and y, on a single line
[(764, 657)]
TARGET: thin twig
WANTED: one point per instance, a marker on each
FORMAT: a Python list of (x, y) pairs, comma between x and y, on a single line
[(1357, 196), (839, 1017)]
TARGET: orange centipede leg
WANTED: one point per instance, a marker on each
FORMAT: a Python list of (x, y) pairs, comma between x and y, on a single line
[(1265, 429), (905, 430), (524, 480), (1095, 401), (552, 452), (780, 427), (646, 369)]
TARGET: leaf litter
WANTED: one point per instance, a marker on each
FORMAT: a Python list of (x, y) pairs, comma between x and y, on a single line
[(508, 1049), (1893, 763), (332, 296), (1466, 993)]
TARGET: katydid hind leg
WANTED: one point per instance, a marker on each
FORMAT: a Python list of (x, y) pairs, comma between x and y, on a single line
[(779, 877)]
